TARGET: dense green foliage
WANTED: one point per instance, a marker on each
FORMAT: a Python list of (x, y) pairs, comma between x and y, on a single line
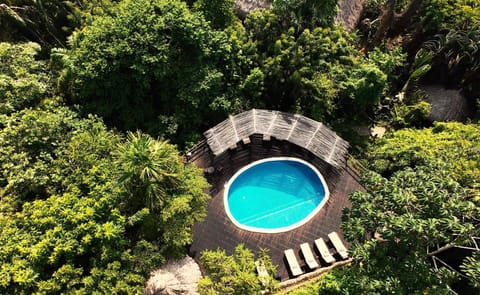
[(451, 14), (159, 58), (471, 267), (317, 72), (306, 13), (412, 213), (235, 274), (83, 210), (454, 144), (23, 81), (31, 141), (146, 64), (219, 13), (162, 196)]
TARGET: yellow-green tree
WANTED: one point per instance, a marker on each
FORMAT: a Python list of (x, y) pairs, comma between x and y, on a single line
[(455, 144), (76, 210), (235, 274)]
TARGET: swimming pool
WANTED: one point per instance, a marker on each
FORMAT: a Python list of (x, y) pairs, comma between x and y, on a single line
[(274, 195)]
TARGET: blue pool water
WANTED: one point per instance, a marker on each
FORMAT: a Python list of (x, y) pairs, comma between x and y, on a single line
[(275, 195)]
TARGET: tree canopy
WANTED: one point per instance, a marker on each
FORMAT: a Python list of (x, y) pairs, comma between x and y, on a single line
[(455, 144), (82, 208), (317, 72), (235, 274), (76, 222), (145, 63), (93, 207), (148, 62), (398, 222), (24, 81)]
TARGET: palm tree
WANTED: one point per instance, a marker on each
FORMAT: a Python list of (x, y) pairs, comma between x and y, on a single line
[(148, 171)]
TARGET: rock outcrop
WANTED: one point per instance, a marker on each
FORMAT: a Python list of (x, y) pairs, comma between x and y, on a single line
[(349, 13), (244, 7), (447, 104)]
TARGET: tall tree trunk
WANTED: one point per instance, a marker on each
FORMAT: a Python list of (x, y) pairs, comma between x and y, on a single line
[(386, 20), (393, 24), (406, 18)]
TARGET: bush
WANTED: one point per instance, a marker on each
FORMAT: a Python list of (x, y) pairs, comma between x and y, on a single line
[(235, 274)]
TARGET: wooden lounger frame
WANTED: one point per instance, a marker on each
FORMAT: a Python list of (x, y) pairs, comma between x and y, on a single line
[(308, 255)]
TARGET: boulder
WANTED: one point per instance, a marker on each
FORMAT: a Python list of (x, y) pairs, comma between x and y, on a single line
[(349, 13), (244, 7), (446, 104)]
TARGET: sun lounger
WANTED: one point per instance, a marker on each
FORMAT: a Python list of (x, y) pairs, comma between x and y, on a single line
[(308, 255), (262, 272), (338, 244), (323, 250), (293, 263)]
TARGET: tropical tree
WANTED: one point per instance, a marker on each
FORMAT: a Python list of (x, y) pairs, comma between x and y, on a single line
[(74, 221), (317, 72), (148, 168), (451, 15), (456, 59), (157, 187), (397, 224), (471, 267), (153, 65), (303, 14), (71, 213), (67, 235), (220, 13), (444, 31), (31, 140), (455, 144), (24, 80)]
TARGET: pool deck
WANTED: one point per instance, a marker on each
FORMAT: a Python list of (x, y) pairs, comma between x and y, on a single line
[(217, 231)]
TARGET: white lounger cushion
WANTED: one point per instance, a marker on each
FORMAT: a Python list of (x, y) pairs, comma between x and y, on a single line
[(324, 252), (338, 244), (293, 263), (308, 255), (262, 272)]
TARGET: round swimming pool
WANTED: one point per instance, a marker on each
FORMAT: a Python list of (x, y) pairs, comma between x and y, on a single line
[(275, 195)]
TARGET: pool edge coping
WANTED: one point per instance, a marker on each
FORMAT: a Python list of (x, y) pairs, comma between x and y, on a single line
[(296, 225)]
